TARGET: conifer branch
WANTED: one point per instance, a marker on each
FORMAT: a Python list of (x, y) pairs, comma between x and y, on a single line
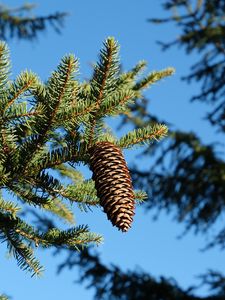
[(140, 196), (103, 79), (10, 231), (105, 71), (23, 83), (75, 113), (58, 91), (52, 126), (25, 193), (83, 193), (4, 65), (61, 155), (59, 84), (129, 77), (136, 70), (74, 238), (22, 115), (152, 78), (68, 172), (143, 136), (9, 207), (7, 142), (57, 207), (116, 103), (17, 229), (19, 115)]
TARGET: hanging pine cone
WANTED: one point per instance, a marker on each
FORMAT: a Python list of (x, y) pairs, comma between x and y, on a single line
[(113, 183)]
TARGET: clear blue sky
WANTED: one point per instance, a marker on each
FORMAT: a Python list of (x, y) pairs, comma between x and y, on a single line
[(89, 23)]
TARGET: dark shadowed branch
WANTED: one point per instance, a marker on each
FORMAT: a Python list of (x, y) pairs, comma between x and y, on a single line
[(20, 22)]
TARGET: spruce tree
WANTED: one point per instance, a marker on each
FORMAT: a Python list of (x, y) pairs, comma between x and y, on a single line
[(47, 130)]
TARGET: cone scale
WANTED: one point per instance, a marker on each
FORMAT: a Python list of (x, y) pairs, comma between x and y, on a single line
[(113, 183)]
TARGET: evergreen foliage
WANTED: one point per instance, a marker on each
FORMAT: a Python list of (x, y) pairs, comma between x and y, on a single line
[(185, 176), (21, 23), (46, 127)]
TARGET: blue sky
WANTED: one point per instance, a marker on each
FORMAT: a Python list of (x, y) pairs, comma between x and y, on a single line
[(89, 23)]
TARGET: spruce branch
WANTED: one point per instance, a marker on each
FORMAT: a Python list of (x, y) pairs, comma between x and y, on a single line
[(152, 78), (9, 207), (58, 208), (56, 157), (22, 114), (75, 113), (4, 66), (45, 181), (7, 142), (59, 156), (19, 114), (116, 103), (46, 130), (11, 230), (106, 71), (104, 78), (25, 193), (140, 196), (136, 70), (93, 131), (83, 193), (68, 172), (58, 93), (142, 136), (126, 78), (74, 238), (14, 229), (25, 82)]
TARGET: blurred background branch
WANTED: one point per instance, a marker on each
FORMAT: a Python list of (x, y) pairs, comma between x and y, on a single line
[(20, 22)]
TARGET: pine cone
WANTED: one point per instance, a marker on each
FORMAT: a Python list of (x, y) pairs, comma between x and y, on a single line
[(113, 183)]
